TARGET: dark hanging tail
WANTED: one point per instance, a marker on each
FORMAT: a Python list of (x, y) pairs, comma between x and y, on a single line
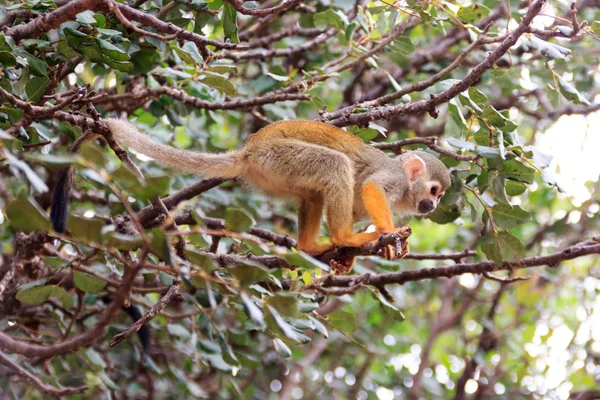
[(60, 200), (62, 191), (144, 332)]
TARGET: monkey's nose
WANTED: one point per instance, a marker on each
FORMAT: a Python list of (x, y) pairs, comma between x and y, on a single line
[(425, 206)]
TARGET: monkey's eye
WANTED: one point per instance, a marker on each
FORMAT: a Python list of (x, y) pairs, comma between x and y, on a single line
[(433, 191)]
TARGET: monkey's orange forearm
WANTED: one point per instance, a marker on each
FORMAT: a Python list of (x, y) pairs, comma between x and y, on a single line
[(377, 206)]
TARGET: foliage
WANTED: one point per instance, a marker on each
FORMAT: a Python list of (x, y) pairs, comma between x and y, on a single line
[(254, 318)]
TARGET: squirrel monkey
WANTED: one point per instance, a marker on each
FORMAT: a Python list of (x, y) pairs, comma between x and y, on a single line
[(319, 165)]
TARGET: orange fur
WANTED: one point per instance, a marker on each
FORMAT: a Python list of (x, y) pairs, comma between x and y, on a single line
[(377, 206), (309, 226), (314, 132)]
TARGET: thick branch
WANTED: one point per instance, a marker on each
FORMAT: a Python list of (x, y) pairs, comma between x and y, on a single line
[(261, 12), (388, 112), (578, 250), (51, 20)]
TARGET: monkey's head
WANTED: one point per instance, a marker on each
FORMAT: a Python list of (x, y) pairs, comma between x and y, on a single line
[(429, 178)]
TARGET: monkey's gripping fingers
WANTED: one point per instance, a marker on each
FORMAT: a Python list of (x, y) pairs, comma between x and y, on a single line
[(405, 249), (398, 249)]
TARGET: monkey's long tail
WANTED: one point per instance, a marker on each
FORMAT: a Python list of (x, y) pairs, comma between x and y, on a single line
[(226, 165), (62, 190)]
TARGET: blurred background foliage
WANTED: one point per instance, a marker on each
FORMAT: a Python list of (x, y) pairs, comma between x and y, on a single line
[(519, 141)]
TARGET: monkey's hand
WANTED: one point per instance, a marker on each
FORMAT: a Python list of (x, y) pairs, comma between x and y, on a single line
[(400, 248)]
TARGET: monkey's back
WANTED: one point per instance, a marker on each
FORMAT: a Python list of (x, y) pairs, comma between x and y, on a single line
[(314, 132)]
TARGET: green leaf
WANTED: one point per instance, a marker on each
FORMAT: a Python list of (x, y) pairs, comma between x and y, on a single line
[(343, 321), (477, 96), (330, 17), (203, 261), (248, 273), (515, 188), (229, 18), (66, 49), (94, 357), (112, 51), (26, 215), (237, 220), (178, 330), (36, 66), (208, 298), (86, 17), (91, 152), (288, 330), (318, 327), (403, 45), (366, 134), (281, 348), (252, 310), (304, 261), (123, 66), (87, 47), (35, 88), (518, 171), (459, 128), (506, 216), (34, 296), (499, 188), (495, 118), (473, 13), (219, 82), (36, 182), (119, 240), (444, 215), (64, 297), (189, 52), (549, 50), (50, 160), (86, 228), (505, 247), (570, 93), (88, 283), (390, 310), (159, 245)]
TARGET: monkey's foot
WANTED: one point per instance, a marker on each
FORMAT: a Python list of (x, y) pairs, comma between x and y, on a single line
[(342, 266), (315, 249)]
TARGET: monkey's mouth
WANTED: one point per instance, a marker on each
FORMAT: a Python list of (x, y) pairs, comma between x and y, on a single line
[(425, 207)]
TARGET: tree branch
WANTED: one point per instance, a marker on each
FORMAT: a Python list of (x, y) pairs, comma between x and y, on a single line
[(171, 294), (37, 382), (591, 246), (51, 20), (387, 112), (261, 12)]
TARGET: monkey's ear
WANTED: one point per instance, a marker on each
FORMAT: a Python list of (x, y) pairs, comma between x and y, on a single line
[(415, 168)]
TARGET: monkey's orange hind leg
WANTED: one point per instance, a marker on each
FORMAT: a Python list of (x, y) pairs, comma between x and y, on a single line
[(309, 225)]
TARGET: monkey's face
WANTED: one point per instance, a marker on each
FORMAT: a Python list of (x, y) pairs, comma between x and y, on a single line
[(430, 194), (428, 183)]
